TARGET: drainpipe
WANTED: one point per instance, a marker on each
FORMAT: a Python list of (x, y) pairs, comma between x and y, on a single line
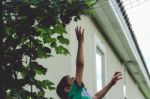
[(124, 81)]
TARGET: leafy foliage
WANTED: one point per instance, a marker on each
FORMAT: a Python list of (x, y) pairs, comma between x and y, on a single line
[(30, 30)]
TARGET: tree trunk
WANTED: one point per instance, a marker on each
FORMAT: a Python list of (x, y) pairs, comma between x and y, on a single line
[(2, 93)]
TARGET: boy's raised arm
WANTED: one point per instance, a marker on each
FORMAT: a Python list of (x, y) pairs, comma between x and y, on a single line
[(115, 78), (80, 57)]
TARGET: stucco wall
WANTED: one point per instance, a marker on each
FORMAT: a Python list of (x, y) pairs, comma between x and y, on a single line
[(62, 65), (132, 89)]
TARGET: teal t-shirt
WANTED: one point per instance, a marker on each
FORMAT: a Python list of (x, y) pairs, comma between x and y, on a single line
[(78, 92)]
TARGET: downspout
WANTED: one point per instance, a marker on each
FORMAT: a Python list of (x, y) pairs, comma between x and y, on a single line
[(124, 81)]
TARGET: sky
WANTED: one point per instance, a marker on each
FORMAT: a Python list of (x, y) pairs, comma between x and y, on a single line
[(139, 17)]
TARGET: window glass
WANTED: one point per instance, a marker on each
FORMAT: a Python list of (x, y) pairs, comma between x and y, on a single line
[(98, 69)]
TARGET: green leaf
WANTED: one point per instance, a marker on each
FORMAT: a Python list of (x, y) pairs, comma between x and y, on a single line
[(61, 50), (90, 12), (44, 30), (41, 30), (49, 85), (63, 40), (34, 2), (41, 93), (60, 29), (24, 71), (39, 69), (43, 52), (14, 94), (53, 44), (47, 38)]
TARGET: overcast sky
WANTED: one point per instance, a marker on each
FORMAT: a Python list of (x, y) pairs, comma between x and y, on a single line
[(140, 19)]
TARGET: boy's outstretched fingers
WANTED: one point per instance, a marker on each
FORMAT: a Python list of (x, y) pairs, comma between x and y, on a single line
[(79, 33), (116, 77)]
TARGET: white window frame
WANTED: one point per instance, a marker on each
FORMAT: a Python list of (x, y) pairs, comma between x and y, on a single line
[(100, 46)]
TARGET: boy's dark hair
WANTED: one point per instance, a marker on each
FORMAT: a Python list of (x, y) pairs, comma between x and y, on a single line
[(60, 88)]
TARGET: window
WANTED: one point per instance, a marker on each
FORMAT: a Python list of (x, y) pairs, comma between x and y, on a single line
[(99, 63), (98, 69)]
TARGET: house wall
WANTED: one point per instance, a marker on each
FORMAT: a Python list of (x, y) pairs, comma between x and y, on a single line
[(59, 66), (132, 89)]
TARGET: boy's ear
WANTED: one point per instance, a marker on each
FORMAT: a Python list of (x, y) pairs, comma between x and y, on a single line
[(66, 89)]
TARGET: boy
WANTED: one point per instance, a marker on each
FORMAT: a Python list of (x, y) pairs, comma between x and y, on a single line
[(73, 88)]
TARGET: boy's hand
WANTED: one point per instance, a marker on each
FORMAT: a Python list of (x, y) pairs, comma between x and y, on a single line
[(106, 88), (116, 77), (79, 34)]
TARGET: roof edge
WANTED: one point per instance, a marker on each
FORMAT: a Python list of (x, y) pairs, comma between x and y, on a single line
[(125, 15)]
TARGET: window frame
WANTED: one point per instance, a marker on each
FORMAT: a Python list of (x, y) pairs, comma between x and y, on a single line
[(99, 46)]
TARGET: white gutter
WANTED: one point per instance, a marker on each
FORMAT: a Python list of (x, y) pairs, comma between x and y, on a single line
[(110, 18), (129, 38)]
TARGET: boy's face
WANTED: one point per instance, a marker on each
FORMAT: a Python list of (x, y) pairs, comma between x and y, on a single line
[(70, 81)]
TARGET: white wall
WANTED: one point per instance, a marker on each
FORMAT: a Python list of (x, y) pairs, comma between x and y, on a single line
[(132, 89), (62, 65), (112, 64)]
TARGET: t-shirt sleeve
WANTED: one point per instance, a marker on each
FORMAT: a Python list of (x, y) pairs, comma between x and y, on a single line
[(77, 85), (75, 89)]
